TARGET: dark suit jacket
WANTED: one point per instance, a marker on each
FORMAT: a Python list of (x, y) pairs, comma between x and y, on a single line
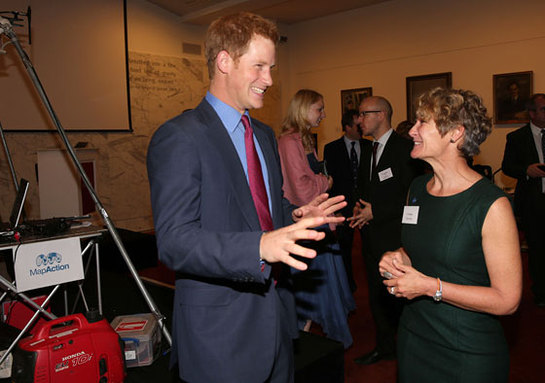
[(387, 197), (520, 152), (339, 167), (226, 310)]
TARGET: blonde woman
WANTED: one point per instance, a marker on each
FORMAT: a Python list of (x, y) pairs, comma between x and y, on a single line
[(322, 292)]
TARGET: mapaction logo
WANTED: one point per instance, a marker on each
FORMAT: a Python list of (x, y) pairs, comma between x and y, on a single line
[(48, 264)]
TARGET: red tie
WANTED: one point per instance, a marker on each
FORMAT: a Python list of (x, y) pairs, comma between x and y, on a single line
[(255, 177)]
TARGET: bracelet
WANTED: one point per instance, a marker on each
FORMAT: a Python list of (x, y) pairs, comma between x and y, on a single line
[(439, 293)]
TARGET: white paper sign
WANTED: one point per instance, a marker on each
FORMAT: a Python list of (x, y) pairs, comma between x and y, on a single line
[(410, 215), (385, 174), (48, 263)]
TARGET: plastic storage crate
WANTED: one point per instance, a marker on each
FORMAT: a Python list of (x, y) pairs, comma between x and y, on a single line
[(142, 338)]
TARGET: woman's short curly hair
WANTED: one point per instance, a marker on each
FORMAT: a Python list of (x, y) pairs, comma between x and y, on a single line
[(450, 108)]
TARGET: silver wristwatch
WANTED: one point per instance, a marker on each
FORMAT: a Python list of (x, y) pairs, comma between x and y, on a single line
[(439, 293)]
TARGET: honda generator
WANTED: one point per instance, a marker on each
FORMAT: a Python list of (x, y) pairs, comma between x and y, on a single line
[(75, 348)]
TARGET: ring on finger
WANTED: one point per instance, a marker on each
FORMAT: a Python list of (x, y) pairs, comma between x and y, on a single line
[(392, 290)]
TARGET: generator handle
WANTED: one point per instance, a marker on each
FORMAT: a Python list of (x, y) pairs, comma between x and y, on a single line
[(44, 330)]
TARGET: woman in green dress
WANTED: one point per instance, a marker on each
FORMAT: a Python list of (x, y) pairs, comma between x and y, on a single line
[(460, 265)]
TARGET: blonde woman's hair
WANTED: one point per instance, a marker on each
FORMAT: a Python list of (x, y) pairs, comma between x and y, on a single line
[(296, 119)]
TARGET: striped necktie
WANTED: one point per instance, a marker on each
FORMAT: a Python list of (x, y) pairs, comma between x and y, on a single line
[(354, 161)]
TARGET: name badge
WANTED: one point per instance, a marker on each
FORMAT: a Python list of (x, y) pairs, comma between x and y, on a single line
[(410, 215), (385, 174)]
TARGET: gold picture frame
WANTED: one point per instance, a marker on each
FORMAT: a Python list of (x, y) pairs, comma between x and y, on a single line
[(511, 92), (416, 85), (351, 98)]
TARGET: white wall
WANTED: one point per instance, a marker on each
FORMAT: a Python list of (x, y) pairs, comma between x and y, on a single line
[(379, 46), (78, 52), (154, 30)]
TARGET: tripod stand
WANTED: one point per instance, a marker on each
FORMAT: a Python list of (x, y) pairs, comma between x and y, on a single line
[(7, 29)]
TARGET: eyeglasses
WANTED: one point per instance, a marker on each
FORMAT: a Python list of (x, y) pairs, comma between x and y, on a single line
[(365, 112)]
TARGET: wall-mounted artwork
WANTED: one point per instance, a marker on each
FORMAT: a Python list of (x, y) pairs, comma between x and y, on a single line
[(511, 92), (416, 85), (351, 98)]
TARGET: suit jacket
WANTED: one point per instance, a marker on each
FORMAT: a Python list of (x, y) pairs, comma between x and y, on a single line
[(388, 196), (339, 168), (520, 152), (226, 310)]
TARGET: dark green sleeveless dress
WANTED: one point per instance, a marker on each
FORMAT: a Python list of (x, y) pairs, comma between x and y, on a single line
[(438, 342)]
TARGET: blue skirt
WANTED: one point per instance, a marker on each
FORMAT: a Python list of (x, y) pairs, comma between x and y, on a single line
[(322, 293)]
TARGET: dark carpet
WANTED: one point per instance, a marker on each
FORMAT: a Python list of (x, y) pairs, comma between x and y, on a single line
[(525, 330)]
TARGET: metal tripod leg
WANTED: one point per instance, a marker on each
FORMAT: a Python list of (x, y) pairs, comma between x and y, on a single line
[(6, 28)]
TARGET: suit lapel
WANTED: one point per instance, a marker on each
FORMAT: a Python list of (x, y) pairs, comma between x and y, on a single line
[(267, 147), (344, 152), (531, 144), (365, 164), (388, 152), (221, 142), (385, 156)]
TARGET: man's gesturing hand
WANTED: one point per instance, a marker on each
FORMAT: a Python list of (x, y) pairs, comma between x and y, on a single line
[(320, 206), (279, 245)]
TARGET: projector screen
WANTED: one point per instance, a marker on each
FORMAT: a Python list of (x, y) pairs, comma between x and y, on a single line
[(78, 51)]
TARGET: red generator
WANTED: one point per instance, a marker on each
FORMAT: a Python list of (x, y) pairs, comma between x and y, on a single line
[(75, 348)]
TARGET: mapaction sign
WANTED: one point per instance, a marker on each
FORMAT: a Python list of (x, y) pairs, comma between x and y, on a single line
[(48, 263)]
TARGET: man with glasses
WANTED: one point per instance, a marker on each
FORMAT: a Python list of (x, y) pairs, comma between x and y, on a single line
[(385, 174)]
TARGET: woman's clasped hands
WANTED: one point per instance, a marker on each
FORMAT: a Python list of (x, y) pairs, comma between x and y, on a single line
[(401, 279)]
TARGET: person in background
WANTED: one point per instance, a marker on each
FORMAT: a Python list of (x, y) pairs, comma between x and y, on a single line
[(523, 159), (403, 129), (322, 292), (385, 173), (221, 220), (459, 266), (342, 160)]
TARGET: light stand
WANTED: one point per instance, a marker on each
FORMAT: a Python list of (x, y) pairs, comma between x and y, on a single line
[(10, 162), (6, 28)]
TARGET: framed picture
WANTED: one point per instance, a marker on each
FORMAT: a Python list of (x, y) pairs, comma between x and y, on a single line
[(416, 85), (351, 98), (511, 91)]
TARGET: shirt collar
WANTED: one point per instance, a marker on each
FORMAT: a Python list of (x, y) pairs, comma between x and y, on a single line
[(348, 141), (229, 116), (384, 138), (536, 129)]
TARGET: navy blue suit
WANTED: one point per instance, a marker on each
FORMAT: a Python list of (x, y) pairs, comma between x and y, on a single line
[(227, 312), (520, 152), (339, 167), (383, 232)]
